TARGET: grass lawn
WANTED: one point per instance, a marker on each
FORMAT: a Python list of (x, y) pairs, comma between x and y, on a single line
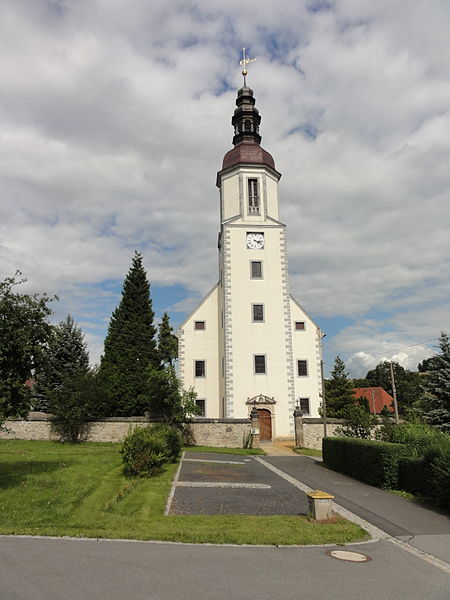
[(308, 452), (49, 488)]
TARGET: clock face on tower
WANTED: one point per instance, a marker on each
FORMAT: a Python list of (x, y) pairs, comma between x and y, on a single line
[(255, 241)]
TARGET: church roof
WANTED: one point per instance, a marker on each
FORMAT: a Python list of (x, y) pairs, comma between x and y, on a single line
[(247, 153), (247, 149)]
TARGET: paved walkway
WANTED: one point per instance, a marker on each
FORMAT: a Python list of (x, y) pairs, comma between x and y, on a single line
[(420, 527), (279, 449)]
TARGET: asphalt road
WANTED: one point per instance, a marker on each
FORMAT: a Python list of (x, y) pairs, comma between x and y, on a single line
[(58, 569)]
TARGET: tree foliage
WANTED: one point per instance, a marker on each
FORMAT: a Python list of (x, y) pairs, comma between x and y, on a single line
[(167, 341), (359, 423), (166, 397), (24, 334), (66, 387), (130, 345), (65, 357), (338, 390), (409, 385), (437, 400)]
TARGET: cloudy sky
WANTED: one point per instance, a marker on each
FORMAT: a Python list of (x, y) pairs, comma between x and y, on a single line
[(115, 116)]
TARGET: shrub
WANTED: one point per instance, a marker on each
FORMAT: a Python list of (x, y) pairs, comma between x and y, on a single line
[(359, 423), (373, 462), (439, 468), (143, 452), (171, 437), (414, 475), (420, 438)]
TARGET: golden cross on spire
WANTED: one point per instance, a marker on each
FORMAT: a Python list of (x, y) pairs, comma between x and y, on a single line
[(245, 62)]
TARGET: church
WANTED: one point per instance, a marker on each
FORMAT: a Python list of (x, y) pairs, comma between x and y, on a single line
[(249, 343)]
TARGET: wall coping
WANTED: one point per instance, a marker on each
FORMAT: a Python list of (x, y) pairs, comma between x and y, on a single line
[(41, 416)]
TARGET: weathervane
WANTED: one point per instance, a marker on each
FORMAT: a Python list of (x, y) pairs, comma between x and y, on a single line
[(245, 62)]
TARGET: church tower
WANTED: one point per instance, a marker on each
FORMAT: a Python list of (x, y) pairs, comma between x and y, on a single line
[(249, 343)]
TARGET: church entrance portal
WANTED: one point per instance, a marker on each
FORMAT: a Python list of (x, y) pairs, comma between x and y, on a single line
[(265, 425)]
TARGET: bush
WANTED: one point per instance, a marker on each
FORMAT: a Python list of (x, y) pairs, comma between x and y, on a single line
[(171, 437), (359, 423), (438, 464), (414, 475), (375, 463), (143, 451), (420, 438)]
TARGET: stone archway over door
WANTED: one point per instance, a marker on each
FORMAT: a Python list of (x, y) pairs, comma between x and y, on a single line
[(265, 425)]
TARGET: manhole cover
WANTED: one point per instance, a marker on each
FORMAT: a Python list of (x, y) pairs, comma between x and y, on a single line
[(348, 556)]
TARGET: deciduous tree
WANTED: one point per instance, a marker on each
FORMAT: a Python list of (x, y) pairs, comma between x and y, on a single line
[(24, 334)]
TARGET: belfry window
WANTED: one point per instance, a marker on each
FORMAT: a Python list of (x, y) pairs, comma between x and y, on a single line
[(247, 125), (253, 197)]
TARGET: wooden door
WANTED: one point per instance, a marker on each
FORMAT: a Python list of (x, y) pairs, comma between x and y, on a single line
[(265, 425)]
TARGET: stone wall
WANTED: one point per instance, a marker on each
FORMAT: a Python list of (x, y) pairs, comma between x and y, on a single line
[(313, 431), (227, 433)]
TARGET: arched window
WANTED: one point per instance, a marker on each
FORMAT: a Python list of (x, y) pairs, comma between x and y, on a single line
[(247, 125)]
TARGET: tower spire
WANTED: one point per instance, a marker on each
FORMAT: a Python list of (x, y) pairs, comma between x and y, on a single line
[(246, 118), (245, 62)]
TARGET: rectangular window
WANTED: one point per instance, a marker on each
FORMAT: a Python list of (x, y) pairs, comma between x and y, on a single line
[(258, 312), (304, 405), (256, 269), (300, 325), (200, 368), (302, 368), (199, 325), (260, 363), (201, 404), (253, 197)]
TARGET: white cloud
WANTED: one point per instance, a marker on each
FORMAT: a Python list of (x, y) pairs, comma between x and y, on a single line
[(114, 120)]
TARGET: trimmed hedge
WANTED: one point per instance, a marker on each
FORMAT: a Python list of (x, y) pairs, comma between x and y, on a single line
[(375, 463), (414, 475)]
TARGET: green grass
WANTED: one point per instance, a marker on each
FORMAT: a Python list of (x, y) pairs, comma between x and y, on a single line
[(308, 452), (238, 451), (49, 488)]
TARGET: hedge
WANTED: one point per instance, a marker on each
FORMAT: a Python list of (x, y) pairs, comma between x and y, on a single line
[(414, 475), (374, 462)]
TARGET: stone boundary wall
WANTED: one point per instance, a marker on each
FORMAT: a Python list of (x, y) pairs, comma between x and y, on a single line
[(313, 431), (226, 433)]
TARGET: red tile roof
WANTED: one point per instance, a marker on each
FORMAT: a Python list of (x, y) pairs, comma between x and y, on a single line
[(375, 396)]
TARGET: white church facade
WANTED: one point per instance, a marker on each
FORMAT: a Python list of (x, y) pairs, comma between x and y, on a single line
[(249, 343)]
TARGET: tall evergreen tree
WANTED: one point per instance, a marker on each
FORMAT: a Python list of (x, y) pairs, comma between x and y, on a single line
[(437, 401), (167, 341), (130, 345), (338, 390), (66, 387), (65, 358)]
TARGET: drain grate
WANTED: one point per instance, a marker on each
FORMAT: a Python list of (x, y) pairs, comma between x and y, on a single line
[(348, 556)]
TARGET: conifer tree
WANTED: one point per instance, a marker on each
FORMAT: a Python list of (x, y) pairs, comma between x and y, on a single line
[(65, 358), (66, 387), (167, 341), (437, 401), (338, 390), (130, 345)]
